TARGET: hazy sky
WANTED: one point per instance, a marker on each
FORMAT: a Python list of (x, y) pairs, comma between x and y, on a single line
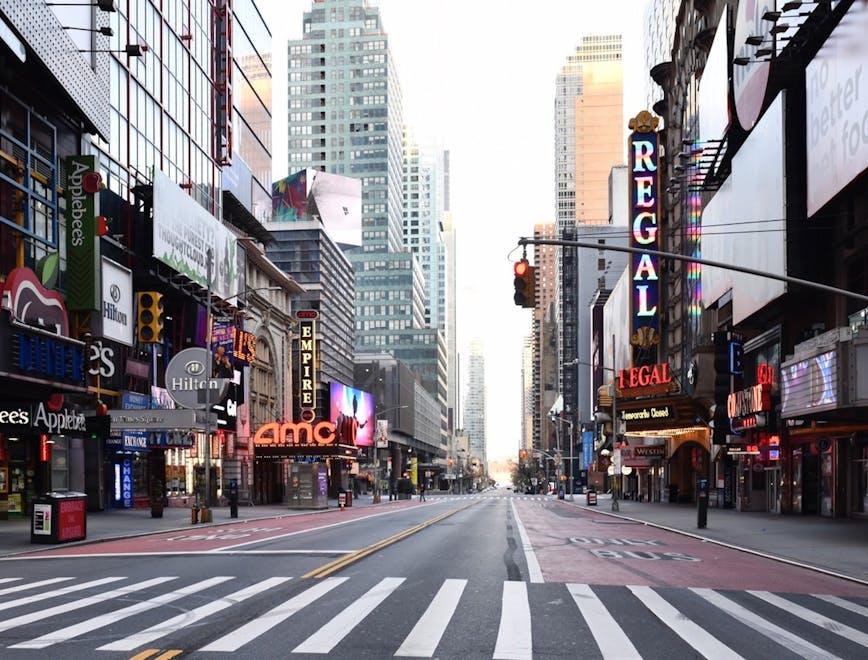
[(479, 75)]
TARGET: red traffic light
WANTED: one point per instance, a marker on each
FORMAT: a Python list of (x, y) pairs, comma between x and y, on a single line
[(520, 267)]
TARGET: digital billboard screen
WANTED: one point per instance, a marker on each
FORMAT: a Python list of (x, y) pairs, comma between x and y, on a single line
[(352, 413)]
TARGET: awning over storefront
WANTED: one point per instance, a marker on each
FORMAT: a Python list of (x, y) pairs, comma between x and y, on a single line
[(673, 438)]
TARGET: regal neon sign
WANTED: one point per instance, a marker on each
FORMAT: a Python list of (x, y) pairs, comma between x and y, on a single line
[(643, 148), (644, 376)]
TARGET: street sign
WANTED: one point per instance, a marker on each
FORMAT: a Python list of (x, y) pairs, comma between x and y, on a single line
[(160, 420)]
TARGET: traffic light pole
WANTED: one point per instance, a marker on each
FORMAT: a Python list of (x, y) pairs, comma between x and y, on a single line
[(524, 241), (206, 457)]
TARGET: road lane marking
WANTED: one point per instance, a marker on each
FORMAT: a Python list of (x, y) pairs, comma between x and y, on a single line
[(80, 603), (89, 625), (785, 638), (32, 585), (533, 569), (342, 562), (57, 592), (168, 655), (330, 635), (686, 629), (846, 604), (813, 617), (390, 512), (5, 580), (514, 641), (253, 629), (426, 634), (191, 617), (610, 637), (144, 655)]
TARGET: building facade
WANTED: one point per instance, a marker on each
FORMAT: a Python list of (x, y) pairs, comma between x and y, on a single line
[(474, 416)]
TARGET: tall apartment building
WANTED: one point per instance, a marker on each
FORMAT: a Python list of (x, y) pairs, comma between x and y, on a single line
[(474, 402), (545, 260), (589, 141), (527, 393), (450, 290)]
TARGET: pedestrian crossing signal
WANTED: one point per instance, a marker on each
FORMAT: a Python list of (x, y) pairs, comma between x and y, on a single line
[(525, 284)]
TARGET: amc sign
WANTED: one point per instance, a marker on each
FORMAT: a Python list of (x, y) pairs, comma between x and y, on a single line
[(295, 434)]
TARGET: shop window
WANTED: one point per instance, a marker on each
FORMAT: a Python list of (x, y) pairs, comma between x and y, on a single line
[(60, 464)]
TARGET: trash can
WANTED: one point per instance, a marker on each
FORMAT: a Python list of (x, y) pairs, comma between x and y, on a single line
[(58, 517), (591, 498), (349, 495)]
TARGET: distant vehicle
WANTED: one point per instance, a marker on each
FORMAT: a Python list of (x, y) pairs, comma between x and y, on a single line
[(509, 486)]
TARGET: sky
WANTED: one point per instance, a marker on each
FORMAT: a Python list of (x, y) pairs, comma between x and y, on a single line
[(479, 76)]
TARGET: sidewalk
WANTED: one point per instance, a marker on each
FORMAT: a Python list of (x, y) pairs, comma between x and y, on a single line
[(119, 523), (839, 545)]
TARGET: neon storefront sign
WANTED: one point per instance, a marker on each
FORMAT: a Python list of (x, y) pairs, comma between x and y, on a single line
[(295, 434)]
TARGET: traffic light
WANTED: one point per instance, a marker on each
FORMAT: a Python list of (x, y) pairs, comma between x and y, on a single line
[(149, 322), (525, 284), (522, 455)]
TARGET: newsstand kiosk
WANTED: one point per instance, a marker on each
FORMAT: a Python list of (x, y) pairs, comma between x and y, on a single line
[(58, 517)]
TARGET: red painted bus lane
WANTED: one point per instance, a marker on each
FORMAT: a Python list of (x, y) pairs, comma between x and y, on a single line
[(576, 545), (224, 537)]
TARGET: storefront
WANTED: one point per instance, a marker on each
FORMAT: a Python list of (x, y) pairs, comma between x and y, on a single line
[(824, 400)]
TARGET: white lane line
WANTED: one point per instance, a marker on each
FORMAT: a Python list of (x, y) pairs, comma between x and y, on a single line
[(78, 629), (608, 634), (846, 604), (253, 629), (80, 603), (810, 616), (691, 633), (5, 580), (426, 634), (190, 618), (514, 641), (785, 638), (330, 635), (533, 569), (32, 585), (57, 592)]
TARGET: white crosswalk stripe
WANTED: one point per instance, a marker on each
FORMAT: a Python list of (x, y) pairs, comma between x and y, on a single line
[(327, 637), (783, 637), (98, 622), (80, 603), (514, 640), (27, 600), (816, 618), (250, 631), (190, 618), (610, 637), (686, 629), (595, 620), (32, 585), (426, 634), (5, 580)]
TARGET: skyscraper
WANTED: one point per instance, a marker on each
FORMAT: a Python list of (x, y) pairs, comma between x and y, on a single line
[(474, 402), (452, 389), (527, 393), (589, 141)]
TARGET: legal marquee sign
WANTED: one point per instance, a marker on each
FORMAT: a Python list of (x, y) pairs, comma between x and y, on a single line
[(643, 147)]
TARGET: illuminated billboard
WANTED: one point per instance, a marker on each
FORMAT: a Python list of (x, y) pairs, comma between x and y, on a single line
[(352, 413), (289, 197)]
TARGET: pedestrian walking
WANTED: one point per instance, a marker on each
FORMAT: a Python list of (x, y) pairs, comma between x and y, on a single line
[(422, 492)]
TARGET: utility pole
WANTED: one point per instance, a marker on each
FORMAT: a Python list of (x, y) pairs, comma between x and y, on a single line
[(210, 372)]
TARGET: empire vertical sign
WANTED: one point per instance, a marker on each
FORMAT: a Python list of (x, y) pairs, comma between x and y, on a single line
[(643, 148), (307, 377), (82, 243)]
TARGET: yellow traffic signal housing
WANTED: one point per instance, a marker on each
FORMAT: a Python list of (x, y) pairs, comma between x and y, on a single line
[(149, 317), (525, 284)]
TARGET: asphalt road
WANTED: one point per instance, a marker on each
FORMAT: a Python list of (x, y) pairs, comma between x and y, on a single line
[(490, 576)]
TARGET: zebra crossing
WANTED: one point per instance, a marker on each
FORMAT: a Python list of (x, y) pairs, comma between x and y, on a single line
[(232, 614), (489, 498)]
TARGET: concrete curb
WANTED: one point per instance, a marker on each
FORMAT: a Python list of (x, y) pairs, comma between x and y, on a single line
[(724, 544), (186, 528)]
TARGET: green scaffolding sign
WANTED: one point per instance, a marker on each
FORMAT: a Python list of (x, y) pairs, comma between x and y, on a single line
[(82, 243)]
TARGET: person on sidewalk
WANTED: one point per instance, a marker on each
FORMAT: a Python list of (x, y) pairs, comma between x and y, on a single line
[(422, 491)]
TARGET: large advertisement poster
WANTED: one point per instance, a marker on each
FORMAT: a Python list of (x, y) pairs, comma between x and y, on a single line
[(837, 109), (183, 232), (289, 197), (352, 413), (338, 202)]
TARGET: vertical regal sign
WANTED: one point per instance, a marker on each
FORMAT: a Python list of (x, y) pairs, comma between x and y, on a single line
[(82, 243), (307, 377), (644, 189)]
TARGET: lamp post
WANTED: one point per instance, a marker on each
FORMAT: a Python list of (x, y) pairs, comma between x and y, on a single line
[(377, 494)]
